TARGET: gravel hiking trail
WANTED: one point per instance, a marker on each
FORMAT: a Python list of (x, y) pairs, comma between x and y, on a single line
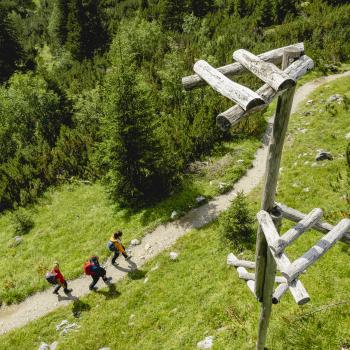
[(163, 237)]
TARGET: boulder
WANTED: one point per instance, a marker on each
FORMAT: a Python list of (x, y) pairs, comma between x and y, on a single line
[(207, 343)]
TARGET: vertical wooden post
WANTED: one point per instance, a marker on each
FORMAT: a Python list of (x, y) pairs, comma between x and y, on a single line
[(265, 264)]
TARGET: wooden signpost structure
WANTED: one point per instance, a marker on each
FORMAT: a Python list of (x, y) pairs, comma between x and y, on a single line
[(270, 245)]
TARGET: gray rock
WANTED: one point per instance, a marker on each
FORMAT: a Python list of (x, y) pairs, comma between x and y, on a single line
[(200, 200), (62, 325), (310, 102), (335, 97), (174, 215), (173, 256), (324, 155), (207, 343), (135, 242), (54, 345), (347, 136), (44, 346), (17, 241)]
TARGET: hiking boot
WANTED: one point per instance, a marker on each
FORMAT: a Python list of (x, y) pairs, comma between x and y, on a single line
[(55, 292), (114, 262), (94, 288), (128, 257), (68, 291), (107, 280)]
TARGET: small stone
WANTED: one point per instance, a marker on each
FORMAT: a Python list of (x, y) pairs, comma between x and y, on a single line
[(105, 348), (324, 155), (173, 256), (173, 215), (306, 189), (54, 345), (240, 161), (135, 242), (145, 280), (306, 113), (17, 241), (207, 343), (155, 268), (147, 246), (61, 325), (335, 97), (44, 346), (200, 199), (295, 185), (310, 102), (347, 136)]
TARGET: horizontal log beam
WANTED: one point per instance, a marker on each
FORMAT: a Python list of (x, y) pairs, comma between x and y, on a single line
[(240, 94), (266, 71), (274, 56), (251, 286), (318, 250), (295, 232), (295, 216), (297, 289), (232, 260), (279, 292), (235, 114), (245, 275)]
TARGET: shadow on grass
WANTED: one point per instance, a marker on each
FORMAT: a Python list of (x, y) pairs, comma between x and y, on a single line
[(133, 272), (66, 297), (110, 293), (79, 307)]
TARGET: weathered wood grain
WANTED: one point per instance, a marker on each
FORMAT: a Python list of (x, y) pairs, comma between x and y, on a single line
[(318, 250), (235, 114), (240, 94), (279, 292), (295, 232), (266, 71), (232, 260), (295, 216), (275, 56)]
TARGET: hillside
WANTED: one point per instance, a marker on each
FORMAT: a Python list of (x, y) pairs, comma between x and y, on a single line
[(170, 304)]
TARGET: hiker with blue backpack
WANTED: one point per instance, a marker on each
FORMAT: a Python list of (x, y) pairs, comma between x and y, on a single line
[(93, 268), (56, 278), (115, 245)]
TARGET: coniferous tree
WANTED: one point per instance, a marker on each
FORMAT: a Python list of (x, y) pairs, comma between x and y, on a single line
[(265, 13), (10, 48), (172, 14)]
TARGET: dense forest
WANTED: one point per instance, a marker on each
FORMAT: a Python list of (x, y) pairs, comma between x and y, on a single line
[(92, 89)]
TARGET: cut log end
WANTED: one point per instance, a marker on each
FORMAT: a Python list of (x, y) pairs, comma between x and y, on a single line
[(303, 301), (255, 103), (222, 122), (287, 84)]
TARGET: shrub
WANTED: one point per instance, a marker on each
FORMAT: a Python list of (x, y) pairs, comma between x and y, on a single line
[(22, 222), (236, 224)]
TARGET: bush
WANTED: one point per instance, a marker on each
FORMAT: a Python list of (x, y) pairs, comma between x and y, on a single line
[(236, 224), (22, 222)]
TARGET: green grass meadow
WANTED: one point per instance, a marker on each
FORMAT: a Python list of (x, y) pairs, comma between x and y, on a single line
[(75, 221), (199, 295)]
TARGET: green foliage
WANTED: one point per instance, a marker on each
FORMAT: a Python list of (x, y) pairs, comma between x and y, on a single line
[(22, 222), (10, 49), (236, 224)]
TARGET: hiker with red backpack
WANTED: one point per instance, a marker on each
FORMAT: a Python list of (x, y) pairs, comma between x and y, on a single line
[(56, 278), (115, 245), (93, 268)]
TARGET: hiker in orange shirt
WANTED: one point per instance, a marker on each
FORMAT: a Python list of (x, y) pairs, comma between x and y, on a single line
[(115, 245), (58, 279)]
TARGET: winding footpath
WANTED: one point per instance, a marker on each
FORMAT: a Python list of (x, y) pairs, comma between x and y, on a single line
[(161, 238)]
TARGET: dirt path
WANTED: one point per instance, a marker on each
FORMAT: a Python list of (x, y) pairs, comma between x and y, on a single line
[(162, 237)]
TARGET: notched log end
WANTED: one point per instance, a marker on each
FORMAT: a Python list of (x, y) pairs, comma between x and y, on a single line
[(275, 300)]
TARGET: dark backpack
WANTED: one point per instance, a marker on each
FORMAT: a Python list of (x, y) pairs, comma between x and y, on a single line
[(51, 278), (110, 246)]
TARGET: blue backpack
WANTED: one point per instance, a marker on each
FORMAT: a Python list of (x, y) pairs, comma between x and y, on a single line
[(110, 246)]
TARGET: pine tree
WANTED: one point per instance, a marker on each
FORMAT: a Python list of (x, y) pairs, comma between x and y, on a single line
[(130, 149), (265, 14), (172, 14), (10, 48)]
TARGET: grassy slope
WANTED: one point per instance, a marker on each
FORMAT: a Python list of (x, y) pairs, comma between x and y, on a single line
[(183, 302), (75, 222)]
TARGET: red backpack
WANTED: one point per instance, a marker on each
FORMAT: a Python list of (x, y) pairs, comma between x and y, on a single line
[(87, 268)]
